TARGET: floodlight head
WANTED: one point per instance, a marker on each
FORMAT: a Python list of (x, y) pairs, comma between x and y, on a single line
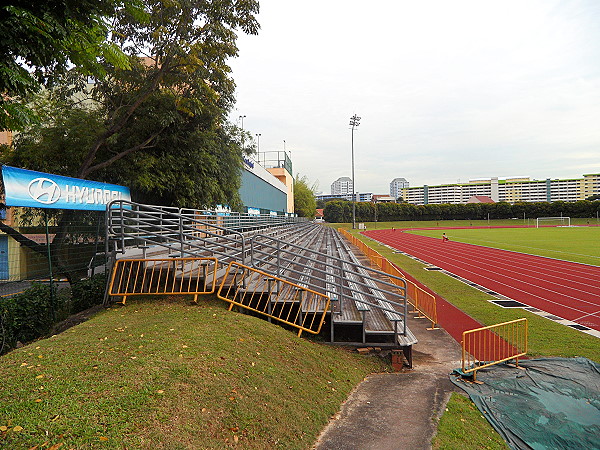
[(354, 121)]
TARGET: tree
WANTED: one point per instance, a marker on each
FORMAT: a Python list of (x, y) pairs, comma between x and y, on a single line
[(305, 204), (160, 124), (591, 198), (38, 40)]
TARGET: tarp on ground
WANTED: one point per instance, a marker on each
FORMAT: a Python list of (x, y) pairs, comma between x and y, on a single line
[(548, 403)]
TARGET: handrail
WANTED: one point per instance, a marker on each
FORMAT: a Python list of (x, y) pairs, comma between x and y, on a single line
[(424, 302), (118, 214), (348, 269)]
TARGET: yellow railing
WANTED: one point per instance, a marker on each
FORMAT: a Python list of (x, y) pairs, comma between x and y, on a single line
[(274, 297), (194, 276), (486, 346), (422, 301)]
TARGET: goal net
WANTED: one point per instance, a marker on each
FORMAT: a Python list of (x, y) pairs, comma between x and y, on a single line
[(553, 222)]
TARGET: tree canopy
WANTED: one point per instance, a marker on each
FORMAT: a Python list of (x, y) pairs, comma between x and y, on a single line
[(305, 204), (158, 125), (38, 41)]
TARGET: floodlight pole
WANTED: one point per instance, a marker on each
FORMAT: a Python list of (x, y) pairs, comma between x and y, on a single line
[(258, 135), (354, 122)]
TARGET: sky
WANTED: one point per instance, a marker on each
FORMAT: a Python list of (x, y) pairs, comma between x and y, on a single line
[(447, 91)]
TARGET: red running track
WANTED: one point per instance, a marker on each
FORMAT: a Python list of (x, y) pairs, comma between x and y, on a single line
[(565, 289)]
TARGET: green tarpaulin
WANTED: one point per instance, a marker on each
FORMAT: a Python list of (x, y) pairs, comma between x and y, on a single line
[(549, 403)]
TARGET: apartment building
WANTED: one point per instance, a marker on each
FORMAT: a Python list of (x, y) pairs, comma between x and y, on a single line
[(511, 190), (396, 186), (342, 185)]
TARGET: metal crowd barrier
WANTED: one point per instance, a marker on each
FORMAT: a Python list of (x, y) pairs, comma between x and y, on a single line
[(194, 276), (486, 346), (274, 297)]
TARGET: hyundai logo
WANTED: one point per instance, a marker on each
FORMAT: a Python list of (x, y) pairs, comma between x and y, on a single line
[(44, 190)]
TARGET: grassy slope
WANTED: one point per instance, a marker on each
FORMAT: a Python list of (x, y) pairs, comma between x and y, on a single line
[(162, 373)]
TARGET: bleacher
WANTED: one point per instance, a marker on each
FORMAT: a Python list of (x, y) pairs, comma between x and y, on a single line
[(368, 308)]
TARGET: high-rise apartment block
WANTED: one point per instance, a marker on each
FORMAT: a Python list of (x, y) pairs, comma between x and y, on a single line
[(342, 185), (396, 187)]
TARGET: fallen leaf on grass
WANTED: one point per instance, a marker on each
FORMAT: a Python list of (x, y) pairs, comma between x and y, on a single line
[(18, 428), (103, 438), (160, 391), (40, 376), (3, 428), (56, 446)]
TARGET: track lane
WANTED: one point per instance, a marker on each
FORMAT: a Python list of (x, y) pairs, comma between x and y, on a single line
[(523, 277)]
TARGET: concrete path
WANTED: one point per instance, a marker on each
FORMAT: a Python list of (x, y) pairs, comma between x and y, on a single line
[(398, 410)]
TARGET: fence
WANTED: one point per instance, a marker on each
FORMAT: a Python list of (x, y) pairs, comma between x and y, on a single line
[(274, 297), (422, 301), (42, 254), (486, 346), (195, 276), (51, 248)]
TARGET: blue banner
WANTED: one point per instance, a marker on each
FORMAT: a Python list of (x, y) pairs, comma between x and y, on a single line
[(43, 190)]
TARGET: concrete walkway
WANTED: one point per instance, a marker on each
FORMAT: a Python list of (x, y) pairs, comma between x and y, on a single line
[(398, 410)]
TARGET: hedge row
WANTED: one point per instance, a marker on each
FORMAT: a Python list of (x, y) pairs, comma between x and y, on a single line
[(341, 211), (33, 313)]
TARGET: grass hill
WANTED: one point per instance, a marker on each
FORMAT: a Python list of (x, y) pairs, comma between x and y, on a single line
[(164, 373)]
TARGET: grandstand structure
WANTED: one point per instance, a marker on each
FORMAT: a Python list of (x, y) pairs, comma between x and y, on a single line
[(286, 269), (511, 190)]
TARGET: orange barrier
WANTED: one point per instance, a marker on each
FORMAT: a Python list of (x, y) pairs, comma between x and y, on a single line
[(161, 276), (422, 301), (486, 346), (274, 297)]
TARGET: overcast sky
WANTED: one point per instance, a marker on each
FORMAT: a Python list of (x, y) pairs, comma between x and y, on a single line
[(448, 91)]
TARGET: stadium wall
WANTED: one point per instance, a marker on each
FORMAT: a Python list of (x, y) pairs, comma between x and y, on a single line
[(261, 190)]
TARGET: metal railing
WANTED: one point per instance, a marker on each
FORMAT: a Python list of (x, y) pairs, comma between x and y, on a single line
[(194, 276), (274, 297), (423, 302), (132, 224), (486, 346), (340, 278)]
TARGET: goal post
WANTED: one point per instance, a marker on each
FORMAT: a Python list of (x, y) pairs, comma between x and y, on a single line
[(553, 222)]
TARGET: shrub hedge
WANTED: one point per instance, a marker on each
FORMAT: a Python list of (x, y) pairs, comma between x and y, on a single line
[(31, 314)]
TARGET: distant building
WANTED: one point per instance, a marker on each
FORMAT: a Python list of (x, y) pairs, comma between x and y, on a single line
[(480, 199), (360, 197), (342, 185), (396, 187), (511, 190), (383, 199)]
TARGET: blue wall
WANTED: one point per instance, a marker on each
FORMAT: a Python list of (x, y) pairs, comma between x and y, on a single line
[(257, 193)]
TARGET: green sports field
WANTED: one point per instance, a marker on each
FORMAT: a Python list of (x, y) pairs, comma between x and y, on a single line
[(578, 244)]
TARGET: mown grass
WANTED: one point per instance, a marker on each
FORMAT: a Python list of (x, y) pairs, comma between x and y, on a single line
[(463, 426), (546, 338), (164, 373), (577, 244)]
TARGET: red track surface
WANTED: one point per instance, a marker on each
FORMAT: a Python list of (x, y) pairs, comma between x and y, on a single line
[(565, 289)]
